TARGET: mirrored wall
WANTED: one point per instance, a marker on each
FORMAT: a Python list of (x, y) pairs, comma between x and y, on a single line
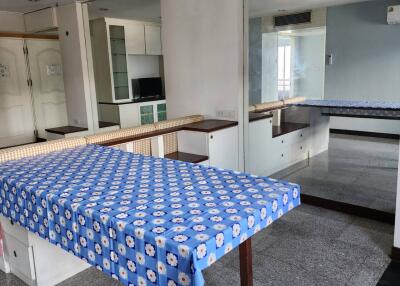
[(324, 106)]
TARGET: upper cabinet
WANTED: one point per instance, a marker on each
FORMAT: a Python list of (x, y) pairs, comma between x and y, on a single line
[(153, 39), (135, 39), (113, 42)]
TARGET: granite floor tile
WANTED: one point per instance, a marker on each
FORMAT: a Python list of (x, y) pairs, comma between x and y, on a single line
[(10, 280), (334, 260), (301, 225), (90, 277)]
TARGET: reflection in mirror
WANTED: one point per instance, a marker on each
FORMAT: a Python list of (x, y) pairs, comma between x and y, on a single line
[(128, 62), (313, 73)]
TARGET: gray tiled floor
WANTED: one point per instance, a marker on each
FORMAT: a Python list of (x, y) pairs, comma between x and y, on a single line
[(357, 170), (308, 246)]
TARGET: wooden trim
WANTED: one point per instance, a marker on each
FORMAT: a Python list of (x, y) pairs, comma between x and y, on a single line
[(133, 101), (186, 157), (140, 136), (206, 126), (395, 255), (273, 108), (253, 116), (365, 133), (66, 130), (27, 36), (347, 208), (209, 125), (246, 263)]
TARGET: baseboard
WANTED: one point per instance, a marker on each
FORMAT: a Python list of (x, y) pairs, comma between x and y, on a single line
[(395, 255), (365, 133), (347, 208)]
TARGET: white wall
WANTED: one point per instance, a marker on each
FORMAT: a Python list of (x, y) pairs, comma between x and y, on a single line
[(75, 65), (309, 66), (11, 22), (203, 56), (397, 224), (143, 66), (366, 59)]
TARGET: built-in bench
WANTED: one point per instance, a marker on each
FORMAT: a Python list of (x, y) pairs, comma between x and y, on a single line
[(190, 139)]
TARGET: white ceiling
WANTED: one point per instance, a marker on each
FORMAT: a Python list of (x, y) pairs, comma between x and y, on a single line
[(127, 9), (267, 7), (150, 9)]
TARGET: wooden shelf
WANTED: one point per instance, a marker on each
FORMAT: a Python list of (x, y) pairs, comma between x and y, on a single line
[(66, 130), (206, 126), (209, 125), (254, 116), (186, 157), (287, 127), (103, 124)]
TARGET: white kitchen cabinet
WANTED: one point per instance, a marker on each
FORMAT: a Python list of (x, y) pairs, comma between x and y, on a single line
[(268, 155), (30, 257), (220, 146), (153, 40), (114, 42), (133, 114), (135, 38)]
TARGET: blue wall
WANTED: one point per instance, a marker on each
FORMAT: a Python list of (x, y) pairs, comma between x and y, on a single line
[(366, 52)]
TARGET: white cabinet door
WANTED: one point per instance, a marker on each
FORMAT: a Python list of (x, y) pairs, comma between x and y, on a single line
[(16, 115), (223, 148), (153, 40), (134, 39), (47, 84)]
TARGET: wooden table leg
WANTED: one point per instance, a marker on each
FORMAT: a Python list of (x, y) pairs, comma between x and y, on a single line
[(246, 264)]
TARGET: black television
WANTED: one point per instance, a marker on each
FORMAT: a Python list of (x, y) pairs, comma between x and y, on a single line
[(147, 88)]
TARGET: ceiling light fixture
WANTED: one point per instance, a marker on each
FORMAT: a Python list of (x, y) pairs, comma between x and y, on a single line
[(104, 9)]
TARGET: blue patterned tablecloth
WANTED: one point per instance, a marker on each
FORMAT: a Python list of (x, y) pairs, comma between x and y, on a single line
[(351, 104), (142, 220)]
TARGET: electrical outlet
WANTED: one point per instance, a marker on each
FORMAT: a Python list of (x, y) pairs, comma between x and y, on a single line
[(228, 114)]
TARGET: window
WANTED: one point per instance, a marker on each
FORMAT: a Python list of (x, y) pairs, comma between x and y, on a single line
[(284, 71)]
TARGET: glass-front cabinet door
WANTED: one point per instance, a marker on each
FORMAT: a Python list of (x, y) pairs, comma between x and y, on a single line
[(161, 112), (146, 114), (119, 63)]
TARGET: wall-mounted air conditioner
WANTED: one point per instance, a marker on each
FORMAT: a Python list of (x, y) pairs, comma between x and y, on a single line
[(393, 15)]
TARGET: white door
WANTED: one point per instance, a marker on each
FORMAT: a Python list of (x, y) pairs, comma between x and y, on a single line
[(47, 84), (16, 115)]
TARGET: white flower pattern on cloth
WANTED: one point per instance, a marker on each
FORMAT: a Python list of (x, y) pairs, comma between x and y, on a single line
[(135, 217)]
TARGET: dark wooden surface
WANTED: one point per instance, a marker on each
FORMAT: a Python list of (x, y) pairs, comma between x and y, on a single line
[(66, 130), (287, 127), (202, 126), (186, 157), (254, 116), (347, 208), (103, 124), (209, 125), (27, 36), (360, 116), (137, 100), (365, 133), (246, 263)]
